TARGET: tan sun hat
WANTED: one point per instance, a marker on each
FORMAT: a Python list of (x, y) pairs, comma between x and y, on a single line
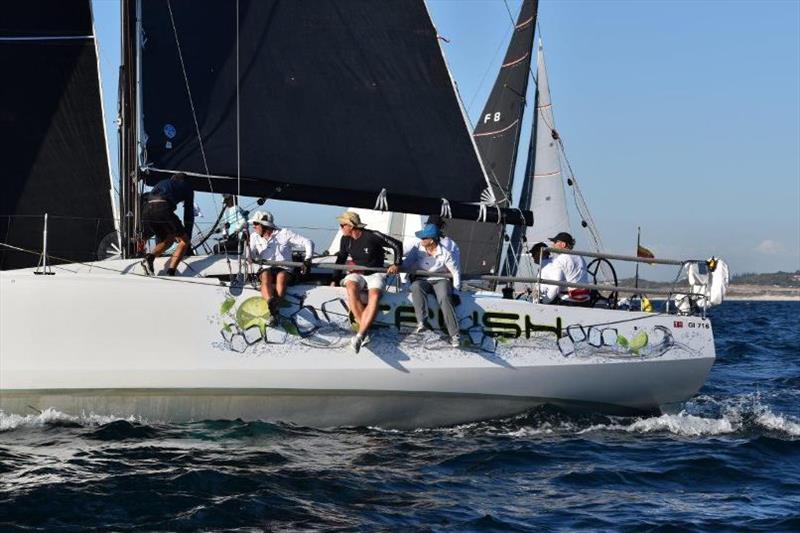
[(352, 218)]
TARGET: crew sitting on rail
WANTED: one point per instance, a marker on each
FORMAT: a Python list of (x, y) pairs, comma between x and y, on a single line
[(362, 247), (234, 224), (569, 268), (269, 243), (444, 241), (540, 256), (430, 256), (158, 217)]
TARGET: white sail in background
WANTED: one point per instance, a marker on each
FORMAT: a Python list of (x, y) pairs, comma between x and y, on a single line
[(548, 202)]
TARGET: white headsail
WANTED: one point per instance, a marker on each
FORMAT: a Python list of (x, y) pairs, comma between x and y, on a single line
[(548, 202)]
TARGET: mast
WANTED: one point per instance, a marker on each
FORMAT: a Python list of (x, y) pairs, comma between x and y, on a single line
[(497, 135), (127, 136)]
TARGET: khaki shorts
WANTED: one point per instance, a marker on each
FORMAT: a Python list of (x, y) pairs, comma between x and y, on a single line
[(376, 280)]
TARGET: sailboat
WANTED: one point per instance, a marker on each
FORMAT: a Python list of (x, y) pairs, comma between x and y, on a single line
[(346, 103)]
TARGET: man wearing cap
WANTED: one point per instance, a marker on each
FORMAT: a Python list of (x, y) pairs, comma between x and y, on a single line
[(362, 247), (158, 217), (267, 242), (444, 241), (430, 256), (569, 268)]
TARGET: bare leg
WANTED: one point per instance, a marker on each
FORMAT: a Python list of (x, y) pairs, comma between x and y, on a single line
[(180, 250), (354, 300), (374, 295), (160, 246), (282, 282), (264, 280)]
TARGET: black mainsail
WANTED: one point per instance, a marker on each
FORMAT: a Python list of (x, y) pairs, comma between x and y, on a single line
[(497, 134), (53, 149), (328, 102)]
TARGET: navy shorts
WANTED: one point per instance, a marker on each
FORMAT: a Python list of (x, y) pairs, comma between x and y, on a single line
[(160, 220)]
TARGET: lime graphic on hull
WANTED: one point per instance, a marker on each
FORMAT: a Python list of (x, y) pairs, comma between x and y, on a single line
[(253, 313)]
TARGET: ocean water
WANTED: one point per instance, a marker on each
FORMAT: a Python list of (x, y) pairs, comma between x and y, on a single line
[(730, 460)]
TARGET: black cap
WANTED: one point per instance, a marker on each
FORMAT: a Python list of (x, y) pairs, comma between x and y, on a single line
[(563, 237), (436, 220)]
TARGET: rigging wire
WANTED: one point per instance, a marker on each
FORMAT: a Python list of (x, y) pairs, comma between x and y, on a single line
[(191, 100)]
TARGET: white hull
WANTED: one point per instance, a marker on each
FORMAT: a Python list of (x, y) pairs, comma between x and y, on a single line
[(97, 341)]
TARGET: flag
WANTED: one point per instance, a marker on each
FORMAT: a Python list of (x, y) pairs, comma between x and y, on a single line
[(641, 251)]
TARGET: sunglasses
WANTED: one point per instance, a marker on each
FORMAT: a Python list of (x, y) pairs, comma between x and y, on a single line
[(343, 225)]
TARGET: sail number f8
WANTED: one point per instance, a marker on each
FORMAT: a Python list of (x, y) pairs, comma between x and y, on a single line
[(494, 117)]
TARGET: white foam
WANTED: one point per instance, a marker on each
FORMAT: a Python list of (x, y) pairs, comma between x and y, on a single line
[(775, 422), (684, 424), (50, 416)]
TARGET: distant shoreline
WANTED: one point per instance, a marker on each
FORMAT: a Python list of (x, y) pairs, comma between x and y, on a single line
[(762, 293), (762, 298)]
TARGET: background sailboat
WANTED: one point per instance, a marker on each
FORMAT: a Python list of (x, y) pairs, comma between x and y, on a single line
[(53, 147)]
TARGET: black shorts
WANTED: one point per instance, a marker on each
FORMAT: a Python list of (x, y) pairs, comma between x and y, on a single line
[(274, 270), (159, 219)]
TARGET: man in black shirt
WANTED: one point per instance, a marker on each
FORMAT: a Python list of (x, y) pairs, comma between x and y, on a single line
[(158, 216), (363, 247)]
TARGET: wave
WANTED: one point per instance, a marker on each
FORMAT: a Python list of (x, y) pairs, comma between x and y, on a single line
[(703, 417), (51, 417)]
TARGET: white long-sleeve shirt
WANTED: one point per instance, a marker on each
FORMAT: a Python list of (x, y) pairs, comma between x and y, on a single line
[(442, 260), (548, 293), (564, 267), (445, 242), (278, 246)]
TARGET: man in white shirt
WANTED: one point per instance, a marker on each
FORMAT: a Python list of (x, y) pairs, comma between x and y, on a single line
[(444, 241), (569, 268), (540, 255), (430, 256), (270, 243)]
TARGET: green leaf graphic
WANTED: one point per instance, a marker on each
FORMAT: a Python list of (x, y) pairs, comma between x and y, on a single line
[(227, 305)]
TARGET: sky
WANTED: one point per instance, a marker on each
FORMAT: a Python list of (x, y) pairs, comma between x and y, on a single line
[(681, 117)]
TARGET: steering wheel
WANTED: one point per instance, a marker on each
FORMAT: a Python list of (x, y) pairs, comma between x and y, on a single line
[(610, 297)]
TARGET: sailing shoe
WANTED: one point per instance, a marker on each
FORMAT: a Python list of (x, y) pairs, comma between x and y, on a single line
[(356, 342), (455, 341), (147, 266), (365, 340), (422, 326)]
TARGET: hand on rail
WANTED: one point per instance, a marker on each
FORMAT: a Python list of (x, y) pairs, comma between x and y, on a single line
[(393, 269)]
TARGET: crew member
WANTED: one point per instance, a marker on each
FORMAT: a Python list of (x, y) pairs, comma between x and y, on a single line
[(158, 217), (362, 247), (444, 241), (570, 268), (430, 256), (234, 223), (540, 255), (270, 243)]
